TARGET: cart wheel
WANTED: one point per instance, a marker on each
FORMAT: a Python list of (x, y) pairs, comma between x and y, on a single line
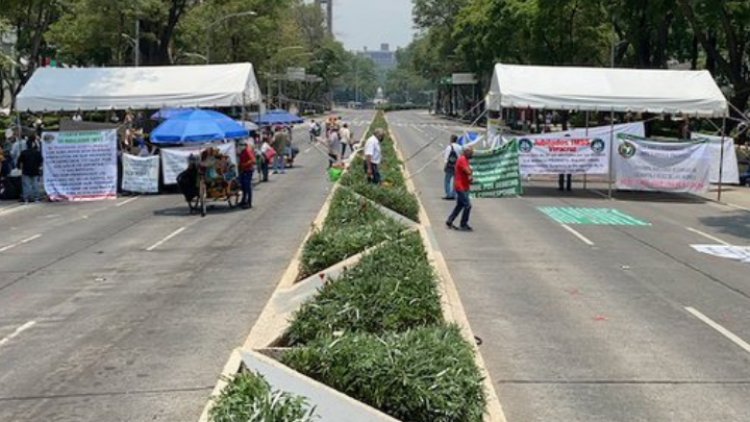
[(202, 199)]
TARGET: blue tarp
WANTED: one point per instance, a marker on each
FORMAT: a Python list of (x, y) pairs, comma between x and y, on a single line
[(279, 117), (468, 138), (198, 126)]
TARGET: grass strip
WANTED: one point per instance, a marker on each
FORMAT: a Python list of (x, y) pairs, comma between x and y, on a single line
[(249, 398), (351, 226), (392, 289), (423, 375)]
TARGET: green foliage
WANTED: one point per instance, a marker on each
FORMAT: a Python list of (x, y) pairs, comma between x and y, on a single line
[(423, 375), (392, 289), (392, 193), (249, 398), (352, 225)]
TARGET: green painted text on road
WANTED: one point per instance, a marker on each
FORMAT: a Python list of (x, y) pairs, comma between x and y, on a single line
[(591, 216)]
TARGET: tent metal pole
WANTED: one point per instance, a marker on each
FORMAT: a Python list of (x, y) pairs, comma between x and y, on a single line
[(721, 164), (611, 150), (585, 175)]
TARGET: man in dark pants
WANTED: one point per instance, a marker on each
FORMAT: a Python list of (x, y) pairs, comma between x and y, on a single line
[(463, 179), (247, 166), (561, 182)]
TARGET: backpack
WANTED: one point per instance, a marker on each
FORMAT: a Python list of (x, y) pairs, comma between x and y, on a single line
[(450, 166)]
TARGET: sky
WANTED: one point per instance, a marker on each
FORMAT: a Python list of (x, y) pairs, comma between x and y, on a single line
[(360, 23)]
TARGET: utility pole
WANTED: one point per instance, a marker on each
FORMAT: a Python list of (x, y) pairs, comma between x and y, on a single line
[(137, 43)]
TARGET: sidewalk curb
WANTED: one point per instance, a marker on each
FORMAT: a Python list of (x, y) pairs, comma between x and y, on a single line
[(453, 308)]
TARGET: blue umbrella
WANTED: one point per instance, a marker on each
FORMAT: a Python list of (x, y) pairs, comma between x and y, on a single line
[(168, 113), (279, 117), (198, 126), (468, 138)]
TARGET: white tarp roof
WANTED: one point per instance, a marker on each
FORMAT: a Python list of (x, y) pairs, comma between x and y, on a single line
[(601, 89), (120, 88)]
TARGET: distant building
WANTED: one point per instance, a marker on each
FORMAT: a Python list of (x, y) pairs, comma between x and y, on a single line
[(327, 6), (385, 59)]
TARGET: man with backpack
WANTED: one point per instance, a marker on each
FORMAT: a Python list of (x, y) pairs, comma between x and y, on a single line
[(450, 158)]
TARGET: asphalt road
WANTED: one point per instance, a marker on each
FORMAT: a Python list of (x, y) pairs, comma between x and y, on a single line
[(596, 323), (127, 310)]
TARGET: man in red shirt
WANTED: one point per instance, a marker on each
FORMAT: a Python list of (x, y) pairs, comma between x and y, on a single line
[(462, 182), (247, 167)]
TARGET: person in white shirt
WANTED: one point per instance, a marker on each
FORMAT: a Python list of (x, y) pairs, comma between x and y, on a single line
[(373, 156), (77, 117), (450, 157), (314, 131), (346, 139)]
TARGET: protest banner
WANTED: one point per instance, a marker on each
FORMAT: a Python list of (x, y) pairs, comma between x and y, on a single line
[(731, 172), (577, 151), (175, 160), (140, 174), (80, 166), (496, 172), (648, 165)]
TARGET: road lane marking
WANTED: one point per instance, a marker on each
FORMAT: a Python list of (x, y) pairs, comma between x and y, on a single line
[(13, 245), (708, 236), (18, 331), (166, 239), (575, 233), (10, 209), (716, 326), (127, 201)]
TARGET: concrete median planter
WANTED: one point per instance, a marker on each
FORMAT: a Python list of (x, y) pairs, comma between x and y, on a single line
[(266, 343)]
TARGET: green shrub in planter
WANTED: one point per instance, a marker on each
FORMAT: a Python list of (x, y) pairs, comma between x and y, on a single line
[(249, 398), (392, 289), (352, 225), (423, 375)]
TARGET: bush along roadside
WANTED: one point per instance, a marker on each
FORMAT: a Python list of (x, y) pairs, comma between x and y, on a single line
[(249, 398), (392, 193), (423, 375), (392, 289), (352, 225)]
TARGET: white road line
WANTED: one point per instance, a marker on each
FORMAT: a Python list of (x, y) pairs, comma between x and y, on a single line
[(166, 239), (575, 233), (11, 209), (18, 331), (716, 326), (13, 245), (127, 201), (708, 236)]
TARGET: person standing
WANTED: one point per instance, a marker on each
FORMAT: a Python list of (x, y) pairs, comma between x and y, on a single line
[(346, 139), (30, 162), (373, 156), (267, 154), (279, 144), (463, 178), (314, 131), (450, 158), (247, 167), (334, 146)]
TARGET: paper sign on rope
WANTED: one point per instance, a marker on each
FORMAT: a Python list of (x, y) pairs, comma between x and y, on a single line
[(496, 172), (175, 160), (648, 165), (140, 174), (80, 166)]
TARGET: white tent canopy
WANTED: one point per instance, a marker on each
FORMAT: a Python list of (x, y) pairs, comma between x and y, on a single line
[(693, 93), (120, 88)]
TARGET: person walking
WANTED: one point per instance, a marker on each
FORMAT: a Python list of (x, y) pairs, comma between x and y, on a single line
[(30, 162), (346, 139), (247, 167), (334, 147), (373, 156), (450, 158), (279, 144), (463, 181)]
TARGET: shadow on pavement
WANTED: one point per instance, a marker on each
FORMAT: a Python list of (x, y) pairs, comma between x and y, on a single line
[(735, 224), (184, 210)]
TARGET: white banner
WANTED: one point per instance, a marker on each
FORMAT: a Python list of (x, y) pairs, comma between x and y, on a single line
[(731, 172), (576, 151), (140, 174), (646, 165), (80, 166), (175, 160)]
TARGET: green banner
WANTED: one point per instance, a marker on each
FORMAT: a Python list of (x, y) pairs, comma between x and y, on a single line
[(497, 172)]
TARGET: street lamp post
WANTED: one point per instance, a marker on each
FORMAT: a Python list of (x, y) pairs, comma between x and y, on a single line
[(209, 28)]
